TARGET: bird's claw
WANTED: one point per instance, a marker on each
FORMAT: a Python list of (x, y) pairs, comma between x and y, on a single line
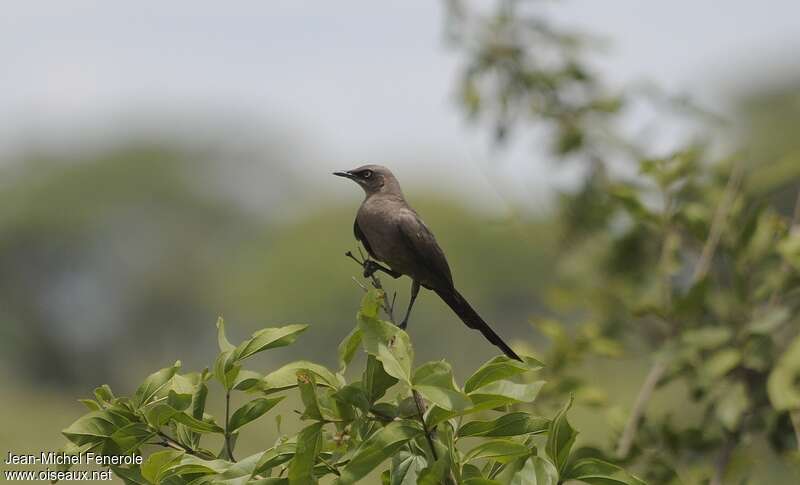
[(370, 267)]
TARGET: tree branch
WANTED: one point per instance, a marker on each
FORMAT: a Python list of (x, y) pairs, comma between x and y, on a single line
[(421, 414), (718, 223), (722, 461), (642, 399), (227, 426)]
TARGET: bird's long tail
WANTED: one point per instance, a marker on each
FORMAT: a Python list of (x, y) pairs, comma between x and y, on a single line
[(471, 318)]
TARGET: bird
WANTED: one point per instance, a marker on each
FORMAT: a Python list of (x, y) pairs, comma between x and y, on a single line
[(393, 233)]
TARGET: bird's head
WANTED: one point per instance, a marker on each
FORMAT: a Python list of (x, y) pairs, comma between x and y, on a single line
[(372, 178)]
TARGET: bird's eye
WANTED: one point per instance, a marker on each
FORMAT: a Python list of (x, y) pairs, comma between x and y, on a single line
[(366, 174)]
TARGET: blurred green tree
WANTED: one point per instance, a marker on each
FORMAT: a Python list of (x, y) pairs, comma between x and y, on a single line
[(685, 258)]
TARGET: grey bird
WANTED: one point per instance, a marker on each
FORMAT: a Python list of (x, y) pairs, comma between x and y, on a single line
[(393, 233)]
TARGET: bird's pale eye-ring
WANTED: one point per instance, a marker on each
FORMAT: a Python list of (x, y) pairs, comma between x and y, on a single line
[(366, 174)]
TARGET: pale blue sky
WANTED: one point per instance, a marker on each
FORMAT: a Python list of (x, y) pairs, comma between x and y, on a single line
[(355, 80)]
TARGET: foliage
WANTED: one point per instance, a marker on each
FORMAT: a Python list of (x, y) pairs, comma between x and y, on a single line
[(680, 259), (411, 424)]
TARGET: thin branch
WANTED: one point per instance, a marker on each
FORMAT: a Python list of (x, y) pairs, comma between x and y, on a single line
[(645, 393), (722, 461), (718, 223), (227, 426), (421, 414)]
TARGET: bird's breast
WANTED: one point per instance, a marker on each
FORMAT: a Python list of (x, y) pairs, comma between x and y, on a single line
[(377, 221)]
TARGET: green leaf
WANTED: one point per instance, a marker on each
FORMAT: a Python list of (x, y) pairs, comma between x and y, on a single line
[(533, 470), (156, 464), (731, 405), (197, 425), (275, 456), (598, 472), (154, 383), (720, 363), (97, 426), (434, 474), (104, 395), (406, 467), (353, 395), (246, 380), (769, 321), (511, 424), (390, 344), (129, 438), (502, 451), (438, 415), (508, 391), (286, 377), (191, 466), (434, 380), (222, 340), (499, 368), (560, 438), (376, 449), (130, 475), (252, 411), (706, 337), (308, 393), (90, 404), (375, 379), (784, 393), (309, 444), (269, 338), (226, 369), (348, 347), (789, 248)]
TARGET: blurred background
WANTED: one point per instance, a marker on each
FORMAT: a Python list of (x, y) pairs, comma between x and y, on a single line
[(165, 163)]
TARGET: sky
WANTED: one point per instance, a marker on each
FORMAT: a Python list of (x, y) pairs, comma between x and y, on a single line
[(351, 81)]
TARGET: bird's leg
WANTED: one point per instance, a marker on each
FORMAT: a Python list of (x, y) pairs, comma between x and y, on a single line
[(414, 293)]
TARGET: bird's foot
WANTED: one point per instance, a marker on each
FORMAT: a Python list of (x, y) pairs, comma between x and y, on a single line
[(370, 267)]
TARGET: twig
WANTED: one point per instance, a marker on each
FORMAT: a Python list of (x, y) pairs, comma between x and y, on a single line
[(388, 308), (421, 414), (227, 426), (645, 393), (724, 458), (718, 223)]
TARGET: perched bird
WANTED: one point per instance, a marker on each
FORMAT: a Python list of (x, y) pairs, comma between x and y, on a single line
[(393, 233)]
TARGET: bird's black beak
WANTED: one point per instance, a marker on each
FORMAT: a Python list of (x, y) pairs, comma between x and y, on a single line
[(347, 175)]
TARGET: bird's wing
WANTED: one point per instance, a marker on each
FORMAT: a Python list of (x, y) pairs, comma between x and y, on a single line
[(362, 238), (416, 236)]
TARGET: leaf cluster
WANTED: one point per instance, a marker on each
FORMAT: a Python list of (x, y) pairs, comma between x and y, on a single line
[(408, 424)]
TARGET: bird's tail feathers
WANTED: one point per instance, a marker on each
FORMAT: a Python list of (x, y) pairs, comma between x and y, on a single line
[(471, 319)]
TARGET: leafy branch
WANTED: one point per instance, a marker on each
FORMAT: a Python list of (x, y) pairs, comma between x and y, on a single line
[(350, 427)]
